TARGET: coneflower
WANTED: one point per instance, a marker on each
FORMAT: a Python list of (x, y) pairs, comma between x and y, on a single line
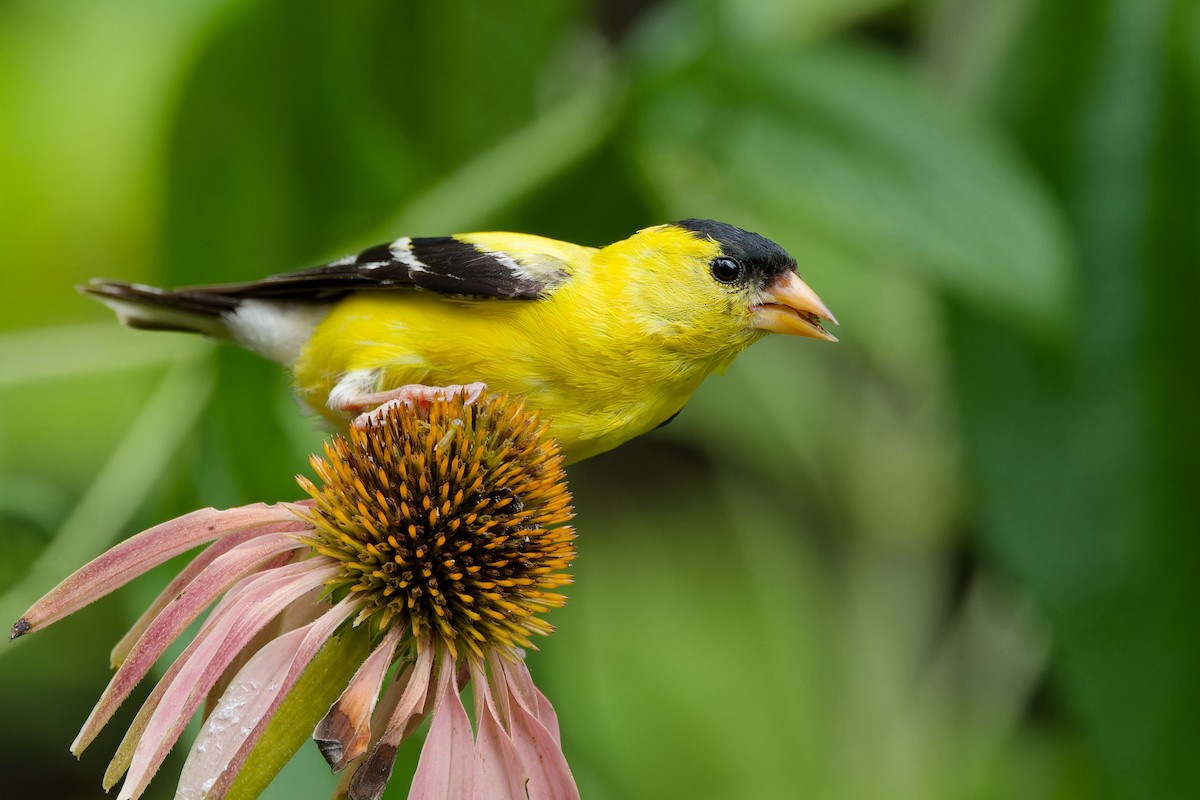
[(439, 532)]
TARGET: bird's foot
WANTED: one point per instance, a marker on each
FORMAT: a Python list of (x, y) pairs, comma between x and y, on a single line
[(414, 396)]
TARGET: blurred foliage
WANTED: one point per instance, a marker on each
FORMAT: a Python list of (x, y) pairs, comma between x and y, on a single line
[(953, 556)]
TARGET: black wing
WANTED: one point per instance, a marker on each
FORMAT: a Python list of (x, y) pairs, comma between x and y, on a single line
[(441, 264)]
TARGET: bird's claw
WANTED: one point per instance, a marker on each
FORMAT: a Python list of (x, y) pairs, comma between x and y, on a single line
[(418, 397)]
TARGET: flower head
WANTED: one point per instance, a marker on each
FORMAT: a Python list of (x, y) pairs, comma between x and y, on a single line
[(438, 531), (447, 523)]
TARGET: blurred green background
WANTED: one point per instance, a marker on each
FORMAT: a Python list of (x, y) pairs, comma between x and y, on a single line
[(953, 556)]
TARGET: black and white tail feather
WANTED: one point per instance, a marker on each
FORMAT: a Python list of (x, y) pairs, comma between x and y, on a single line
[(275, 329), (275, 316)]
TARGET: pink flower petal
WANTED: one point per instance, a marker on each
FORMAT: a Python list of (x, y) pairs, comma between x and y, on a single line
[(137, 554), (194, 567), (371, 775), (247, 706), (516, 676), (549, 775), (320, 631), (445, 770), (499, 690), (546, 716), (214, 626), (240, 591), (499, 773), (300, 612), (379, 720), (408, 707), (204, 662), (176, 616), (207, 758), (345, 732)]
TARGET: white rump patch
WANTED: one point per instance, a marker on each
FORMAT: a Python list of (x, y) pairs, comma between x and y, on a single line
[(275, 329)]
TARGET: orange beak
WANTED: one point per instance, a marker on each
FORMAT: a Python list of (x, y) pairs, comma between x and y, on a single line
[(787, 305)]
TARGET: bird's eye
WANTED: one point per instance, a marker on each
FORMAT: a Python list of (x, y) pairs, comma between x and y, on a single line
[(726, 270)]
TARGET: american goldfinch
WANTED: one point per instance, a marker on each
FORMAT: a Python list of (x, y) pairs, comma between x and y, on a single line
[(607, 343)]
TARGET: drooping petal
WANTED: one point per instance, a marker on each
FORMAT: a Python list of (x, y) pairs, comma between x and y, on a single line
[(204, 663), (528, 695), (239, 593), (549, 775), (499, 774), (445, 770), (120, 760), (137, 554), (247, 706), (194, 567), (207, 758), (500, 692), (372, 774), (345, 732), (300, 612), (385, 709), (176, 616), (547, 716)]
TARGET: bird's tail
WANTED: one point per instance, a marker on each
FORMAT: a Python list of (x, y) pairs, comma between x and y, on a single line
[(148, 308), (274, 327)]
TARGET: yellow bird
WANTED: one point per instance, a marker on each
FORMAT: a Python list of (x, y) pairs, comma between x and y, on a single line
[(607, 343)]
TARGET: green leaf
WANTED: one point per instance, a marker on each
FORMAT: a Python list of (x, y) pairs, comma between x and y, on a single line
[(132, 470), (525, 159), (303, 125), (1086, 460), (776, 23), (845, 157), (717, 644)]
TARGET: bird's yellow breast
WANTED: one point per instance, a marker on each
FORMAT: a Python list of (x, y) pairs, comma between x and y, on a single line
[(582, 384)]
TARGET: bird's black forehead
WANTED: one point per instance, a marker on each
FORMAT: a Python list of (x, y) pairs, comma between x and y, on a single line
[(747, 247)]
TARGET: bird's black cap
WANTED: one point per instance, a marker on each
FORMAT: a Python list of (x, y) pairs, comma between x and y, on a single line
[(751, 249)]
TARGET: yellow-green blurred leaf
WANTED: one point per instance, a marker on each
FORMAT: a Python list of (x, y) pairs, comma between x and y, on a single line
[(847, 150)]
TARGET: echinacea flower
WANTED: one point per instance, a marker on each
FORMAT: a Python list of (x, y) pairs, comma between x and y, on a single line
[(439, 533)]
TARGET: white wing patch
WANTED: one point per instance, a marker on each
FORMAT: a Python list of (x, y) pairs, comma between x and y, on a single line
[(531, 267), (403, 253), (510, 263)]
